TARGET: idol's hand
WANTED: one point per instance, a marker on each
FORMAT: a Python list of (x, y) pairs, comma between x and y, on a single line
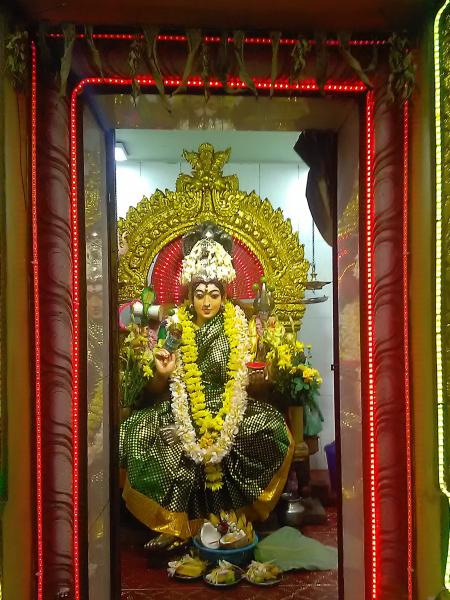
[(257, 377), (169, 434), (165, 362)]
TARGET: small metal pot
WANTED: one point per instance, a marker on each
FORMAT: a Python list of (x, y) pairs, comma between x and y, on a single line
[(291, 510)]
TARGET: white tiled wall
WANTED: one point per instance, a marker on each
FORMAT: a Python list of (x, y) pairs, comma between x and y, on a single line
[(284, 185)]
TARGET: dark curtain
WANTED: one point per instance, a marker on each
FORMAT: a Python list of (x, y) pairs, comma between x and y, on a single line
[(318, 149)]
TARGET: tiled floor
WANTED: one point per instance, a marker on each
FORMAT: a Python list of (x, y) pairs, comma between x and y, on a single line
[(142, 581)]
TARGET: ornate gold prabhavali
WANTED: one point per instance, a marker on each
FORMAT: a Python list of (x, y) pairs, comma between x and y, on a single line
[(209, 195)]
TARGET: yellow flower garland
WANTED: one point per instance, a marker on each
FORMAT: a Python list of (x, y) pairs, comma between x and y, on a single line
[(207, 425)]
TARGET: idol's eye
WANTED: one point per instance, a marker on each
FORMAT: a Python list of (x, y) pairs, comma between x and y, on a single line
[(199, 294), (215, 295)]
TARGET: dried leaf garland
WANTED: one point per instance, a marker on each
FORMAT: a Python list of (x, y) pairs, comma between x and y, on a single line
[(321, 59), (352, 61), (70, 34), (238, 40), (222, 58), (16, 63), (223, 63), (134, 58), (275, 36), (299, 52), (88, 34), (400, 83), (194, 38), (402, 77), (151, 39), (206, 70), (371, 67)]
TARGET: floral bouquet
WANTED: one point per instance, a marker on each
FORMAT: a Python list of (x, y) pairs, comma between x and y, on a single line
[(137, 360), (293, 374)]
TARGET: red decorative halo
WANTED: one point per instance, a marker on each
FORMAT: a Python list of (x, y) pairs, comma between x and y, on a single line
[(165, 277)]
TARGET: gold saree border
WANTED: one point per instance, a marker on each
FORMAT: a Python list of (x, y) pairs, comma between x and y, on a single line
[(158, 518)]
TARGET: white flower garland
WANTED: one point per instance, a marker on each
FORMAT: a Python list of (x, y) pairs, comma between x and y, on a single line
[(180, 404)]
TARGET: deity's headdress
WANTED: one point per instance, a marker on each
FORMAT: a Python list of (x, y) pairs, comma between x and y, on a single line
[(207, 256)]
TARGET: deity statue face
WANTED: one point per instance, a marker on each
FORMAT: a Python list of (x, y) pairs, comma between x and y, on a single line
[(207, 300)]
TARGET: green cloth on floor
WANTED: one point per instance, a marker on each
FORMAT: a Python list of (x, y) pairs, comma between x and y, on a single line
[(290, 549)]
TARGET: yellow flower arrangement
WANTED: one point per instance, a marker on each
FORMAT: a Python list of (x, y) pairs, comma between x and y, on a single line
[(290, 367), (136, 364)]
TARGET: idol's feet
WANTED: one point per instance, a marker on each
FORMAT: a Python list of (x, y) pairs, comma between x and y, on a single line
[(164, 542)]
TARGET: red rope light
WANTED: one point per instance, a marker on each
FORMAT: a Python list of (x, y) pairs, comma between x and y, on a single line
[(37, 325), (76, 340), (351, 87), (213, 39), (406, 348), (372, 501)]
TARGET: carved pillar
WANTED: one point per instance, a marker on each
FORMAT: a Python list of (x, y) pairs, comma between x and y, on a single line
[(56, 337), (389, 352)]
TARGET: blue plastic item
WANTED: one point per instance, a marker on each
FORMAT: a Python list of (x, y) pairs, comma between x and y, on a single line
[(235, 556), (330, 451)]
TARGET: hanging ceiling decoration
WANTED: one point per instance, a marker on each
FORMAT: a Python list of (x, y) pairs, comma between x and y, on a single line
[(313, 284)]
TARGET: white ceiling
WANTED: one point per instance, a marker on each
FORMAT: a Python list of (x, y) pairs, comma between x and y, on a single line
[(247, 146)]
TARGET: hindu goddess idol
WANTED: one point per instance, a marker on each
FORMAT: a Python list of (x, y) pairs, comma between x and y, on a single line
[(205, 444)]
